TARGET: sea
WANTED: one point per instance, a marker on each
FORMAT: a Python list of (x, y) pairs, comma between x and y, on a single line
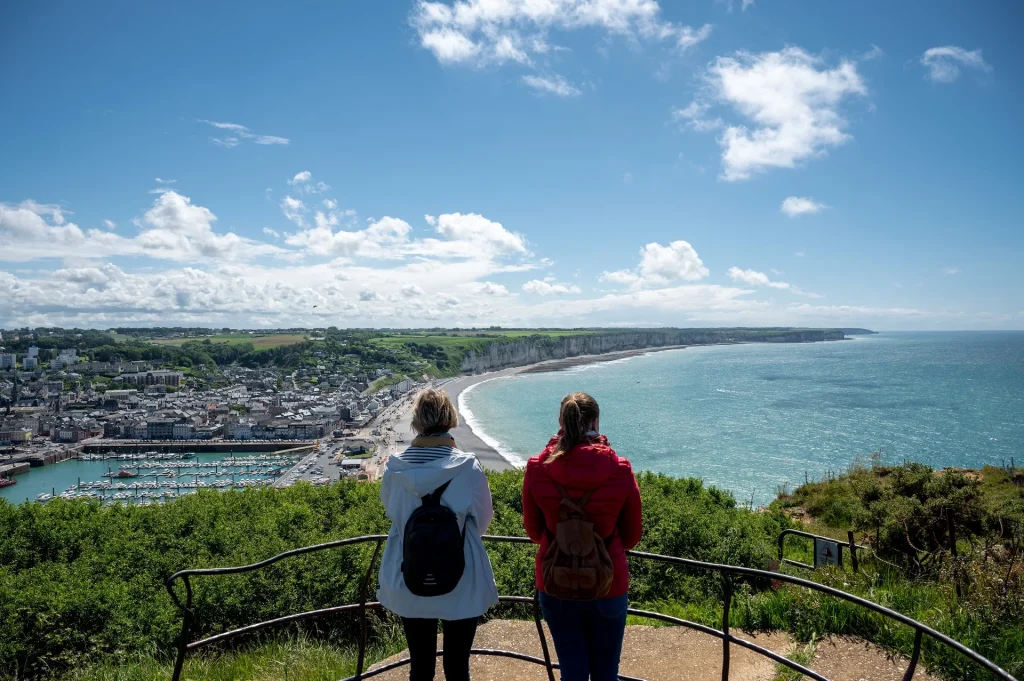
[(758, 419)]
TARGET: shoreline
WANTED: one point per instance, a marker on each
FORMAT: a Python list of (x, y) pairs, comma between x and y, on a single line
[(485, 448)]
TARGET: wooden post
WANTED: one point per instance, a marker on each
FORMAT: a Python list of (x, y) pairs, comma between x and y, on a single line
[(952, 551), (853, 551)]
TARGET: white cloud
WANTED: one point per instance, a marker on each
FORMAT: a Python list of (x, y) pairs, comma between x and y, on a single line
[(448, 300), (794, 206), (799, 254), (294, 210), (951, 270), (163, 181), (661, 266), (554, 85), (367, 295), (430, 220), (110, 224), (172, 229), (302, 181), (491, 237), (755, 278), (676, 262), (875, 52), (239, 132), (330, 204), (543, 288), (694, 115), (411, 290), (624, 277), (448, 45), (944, 63), (271, 233), (489, 288), (791, 99), (499, 31)]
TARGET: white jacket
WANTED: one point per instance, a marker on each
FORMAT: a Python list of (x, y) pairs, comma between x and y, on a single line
[(469, 496)]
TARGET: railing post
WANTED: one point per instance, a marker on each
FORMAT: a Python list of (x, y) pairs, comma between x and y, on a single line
[(853, 551), (186, 626), (543, 639), (914, 657), (727, 589), (360, 658), (782, 544)]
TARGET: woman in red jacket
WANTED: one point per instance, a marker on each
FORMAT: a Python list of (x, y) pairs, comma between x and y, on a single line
[(587, 633)]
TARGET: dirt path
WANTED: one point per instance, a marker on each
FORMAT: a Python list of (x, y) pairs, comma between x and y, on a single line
[(674, 654)]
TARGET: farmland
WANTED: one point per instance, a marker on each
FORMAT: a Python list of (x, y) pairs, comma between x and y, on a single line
[(272, 340)]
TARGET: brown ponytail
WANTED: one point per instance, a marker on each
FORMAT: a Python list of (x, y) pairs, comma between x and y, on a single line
[(577, 415)]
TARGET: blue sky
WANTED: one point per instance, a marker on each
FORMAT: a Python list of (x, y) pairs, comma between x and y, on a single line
[(514, 162)]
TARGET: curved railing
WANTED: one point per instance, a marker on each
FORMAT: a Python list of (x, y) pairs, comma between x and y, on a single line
[(726, 571)]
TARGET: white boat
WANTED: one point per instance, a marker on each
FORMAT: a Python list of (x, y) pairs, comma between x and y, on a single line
[(44, 497)]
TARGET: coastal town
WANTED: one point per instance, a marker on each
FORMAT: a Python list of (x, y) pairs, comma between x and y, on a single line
[(145, 415), (150, 420)]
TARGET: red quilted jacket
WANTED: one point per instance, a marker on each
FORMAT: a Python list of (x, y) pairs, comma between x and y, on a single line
[(614, 507)]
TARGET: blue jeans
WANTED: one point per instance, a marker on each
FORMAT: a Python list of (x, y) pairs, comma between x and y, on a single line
[(587, 634)]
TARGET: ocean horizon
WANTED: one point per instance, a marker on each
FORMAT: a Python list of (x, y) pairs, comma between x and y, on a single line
[(758, 418)]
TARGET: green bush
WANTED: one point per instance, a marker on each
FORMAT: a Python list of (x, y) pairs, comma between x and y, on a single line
[(82, 585)]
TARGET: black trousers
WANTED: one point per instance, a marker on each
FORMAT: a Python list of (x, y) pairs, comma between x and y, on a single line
[(421, 634)]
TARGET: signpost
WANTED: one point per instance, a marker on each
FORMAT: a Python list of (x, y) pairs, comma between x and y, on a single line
[(827, 552)]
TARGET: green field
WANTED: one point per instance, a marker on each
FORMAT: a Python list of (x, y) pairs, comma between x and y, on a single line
[(469, 339), (271, 340)]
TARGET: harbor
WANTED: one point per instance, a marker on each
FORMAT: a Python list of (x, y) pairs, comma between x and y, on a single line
[(151, 477)]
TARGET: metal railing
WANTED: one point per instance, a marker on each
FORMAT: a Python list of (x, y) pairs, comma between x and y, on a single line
[(727, 572)]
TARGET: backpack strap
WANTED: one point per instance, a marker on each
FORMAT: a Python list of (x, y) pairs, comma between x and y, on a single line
[(580, 505), (434, 498)]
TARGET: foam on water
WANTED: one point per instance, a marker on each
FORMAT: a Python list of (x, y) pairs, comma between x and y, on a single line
[(472, 422)]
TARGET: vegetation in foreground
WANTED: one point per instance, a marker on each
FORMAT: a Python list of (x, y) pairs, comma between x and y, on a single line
[(82, 597)]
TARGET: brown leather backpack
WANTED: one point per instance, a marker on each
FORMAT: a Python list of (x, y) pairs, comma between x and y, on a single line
[(576, 565)]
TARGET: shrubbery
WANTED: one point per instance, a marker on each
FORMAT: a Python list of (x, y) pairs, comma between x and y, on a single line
[(83, 584), (80, 582)]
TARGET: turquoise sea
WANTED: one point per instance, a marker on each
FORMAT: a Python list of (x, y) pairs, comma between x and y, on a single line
[(752, 418)]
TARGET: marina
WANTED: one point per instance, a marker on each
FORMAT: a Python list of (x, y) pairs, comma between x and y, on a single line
[(149, 477)]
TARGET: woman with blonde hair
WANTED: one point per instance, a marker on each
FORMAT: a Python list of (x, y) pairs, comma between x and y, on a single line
[(434, 565), (581, 503)]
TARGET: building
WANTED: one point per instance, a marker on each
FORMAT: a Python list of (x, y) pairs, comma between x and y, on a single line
[(70, 434), (15, 434), (33, 351), (183, 431), (160, 429), (155, 377), (7, 361), (30, 363), (119, 394)]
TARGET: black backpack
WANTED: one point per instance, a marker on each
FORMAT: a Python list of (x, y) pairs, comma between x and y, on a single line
[(432, 547)]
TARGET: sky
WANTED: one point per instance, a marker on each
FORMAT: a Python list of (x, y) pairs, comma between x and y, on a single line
[(620, 163)]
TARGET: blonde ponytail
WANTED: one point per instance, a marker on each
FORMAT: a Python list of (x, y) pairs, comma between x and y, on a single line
[(577, 414)]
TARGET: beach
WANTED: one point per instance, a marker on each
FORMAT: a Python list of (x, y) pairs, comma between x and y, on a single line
[(470, 441), (395, 421)]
